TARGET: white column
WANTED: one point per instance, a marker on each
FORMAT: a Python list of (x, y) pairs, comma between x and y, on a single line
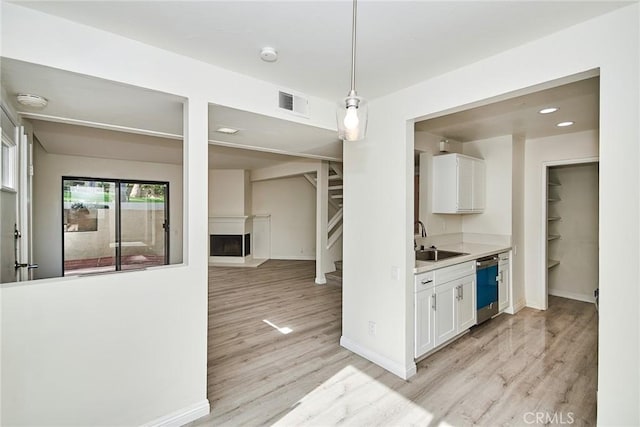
[(322, 219), (195, 240)]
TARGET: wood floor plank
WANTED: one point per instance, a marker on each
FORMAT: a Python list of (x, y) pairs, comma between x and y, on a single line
[(494, 375)]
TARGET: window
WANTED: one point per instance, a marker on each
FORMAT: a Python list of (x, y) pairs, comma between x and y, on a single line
[(114, 225), (8, 155)]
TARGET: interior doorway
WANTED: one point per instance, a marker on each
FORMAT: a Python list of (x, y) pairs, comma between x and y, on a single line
[(571, 224)]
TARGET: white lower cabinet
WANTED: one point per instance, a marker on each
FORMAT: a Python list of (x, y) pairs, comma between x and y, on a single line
[(503, 281), (466, 315), (445, 308), (424, 340)]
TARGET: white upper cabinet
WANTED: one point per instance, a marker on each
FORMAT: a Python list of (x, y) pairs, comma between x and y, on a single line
[(458, 184)]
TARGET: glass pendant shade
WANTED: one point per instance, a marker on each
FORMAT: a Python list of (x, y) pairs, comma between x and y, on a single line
[(351, 116)]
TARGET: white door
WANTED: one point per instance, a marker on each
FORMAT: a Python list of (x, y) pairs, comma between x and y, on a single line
[(445, 312), (424, 328), (466, 316), (15, 202), (465, 183)]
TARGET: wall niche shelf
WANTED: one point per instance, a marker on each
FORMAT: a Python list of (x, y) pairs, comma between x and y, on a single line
[(554, 218), (551, 237), (552, 263)]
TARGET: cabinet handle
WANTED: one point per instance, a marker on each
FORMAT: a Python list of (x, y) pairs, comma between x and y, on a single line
[(461, 292), (458, 292), (433, 304), (424, 282)]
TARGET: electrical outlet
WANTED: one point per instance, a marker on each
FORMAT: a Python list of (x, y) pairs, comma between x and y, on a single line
[(372, 328)]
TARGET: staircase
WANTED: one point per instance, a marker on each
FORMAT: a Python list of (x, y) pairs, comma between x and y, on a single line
[(333, 251)]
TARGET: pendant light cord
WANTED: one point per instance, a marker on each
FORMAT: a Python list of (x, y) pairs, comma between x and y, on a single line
[(353, 49)]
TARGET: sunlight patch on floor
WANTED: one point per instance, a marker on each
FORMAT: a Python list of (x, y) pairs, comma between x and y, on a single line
[(352, 397), (286, 330)]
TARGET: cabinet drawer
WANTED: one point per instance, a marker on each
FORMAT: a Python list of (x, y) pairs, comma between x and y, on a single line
[(453, 272), (423, 281)]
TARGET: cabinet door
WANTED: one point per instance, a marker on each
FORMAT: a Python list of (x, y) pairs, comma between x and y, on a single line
[(424, 327), (443, 184), (503, 285), (466, 315), (445, 312), (478, 186), (465, 183)]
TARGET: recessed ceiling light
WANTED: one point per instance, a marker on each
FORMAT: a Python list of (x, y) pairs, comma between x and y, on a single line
[(228, 131), (548, 110), (33, 101), (564, 124), (269, 54)]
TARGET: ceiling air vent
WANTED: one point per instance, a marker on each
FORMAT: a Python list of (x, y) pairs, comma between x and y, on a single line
[(295, 104)]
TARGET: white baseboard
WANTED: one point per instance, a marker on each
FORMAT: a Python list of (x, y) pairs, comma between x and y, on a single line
[(395, 368), (295, 257), (516, 308), (572, 295), (182, 416)]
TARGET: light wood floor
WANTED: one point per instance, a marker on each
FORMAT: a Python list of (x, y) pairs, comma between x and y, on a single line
[(496, 375)]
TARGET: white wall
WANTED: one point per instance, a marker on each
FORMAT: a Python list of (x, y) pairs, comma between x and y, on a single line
[(291, 202), (55, 332), (378, 287), (496, 219), (517, 224), (47, 200), (436, 224), (229, 190), (577, 250), (579, 145), (497, 155)]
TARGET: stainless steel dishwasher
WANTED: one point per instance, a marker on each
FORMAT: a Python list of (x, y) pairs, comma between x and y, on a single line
[(486, 288)]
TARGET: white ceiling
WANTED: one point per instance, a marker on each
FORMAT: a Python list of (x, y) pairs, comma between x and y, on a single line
[(578, 102), (72, 140), (399, 42), (280, 135), (88, 101), (84, 98)]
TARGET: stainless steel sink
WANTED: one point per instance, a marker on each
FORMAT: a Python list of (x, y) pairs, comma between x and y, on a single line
[(436, 255)]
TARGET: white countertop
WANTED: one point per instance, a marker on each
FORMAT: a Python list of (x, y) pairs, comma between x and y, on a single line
[(475, 250)]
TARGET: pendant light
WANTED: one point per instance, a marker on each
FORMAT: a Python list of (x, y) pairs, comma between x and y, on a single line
[(352, 111)]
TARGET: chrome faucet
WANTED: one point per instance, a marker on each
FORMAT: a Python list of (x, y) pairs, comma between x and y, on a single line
[(423, 233)]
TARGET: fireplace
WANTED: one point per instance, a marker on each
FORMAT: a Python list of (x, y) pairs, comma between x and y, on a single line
[(230, 240), (230, 245)]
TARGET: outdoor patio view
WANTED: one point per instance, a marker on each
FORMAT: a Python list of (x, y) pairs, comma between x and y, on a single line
[(113, 225)]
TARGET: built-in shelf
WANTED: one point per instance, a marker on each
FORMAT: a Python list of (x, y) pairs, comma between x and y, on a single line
[(553, 195)]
